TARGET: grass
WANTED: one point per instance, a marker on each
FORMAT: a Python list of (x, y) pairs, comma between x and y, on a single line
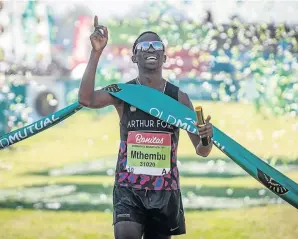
[(278, 222), (82, 138)]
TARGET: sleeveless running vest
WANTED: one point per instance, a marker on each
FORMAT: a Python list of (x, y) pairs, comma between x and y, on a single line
[(147, 157)]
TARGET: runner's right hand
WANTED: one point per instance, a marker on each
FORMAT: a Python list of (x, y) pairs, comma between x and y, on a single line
[(99, 37)]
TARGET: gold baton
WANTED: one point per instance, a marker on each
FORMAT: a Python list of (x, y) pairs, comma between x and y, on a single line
[(200, 116), (201, 122)]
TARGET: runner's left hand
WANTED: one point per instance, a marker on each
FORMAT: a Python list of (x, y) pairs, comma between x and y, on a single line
[(207, 129)]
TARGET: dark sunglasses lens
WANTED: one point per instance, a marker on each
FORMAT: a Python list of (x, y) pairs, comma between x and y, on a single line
[(145, 46), (158, 46)]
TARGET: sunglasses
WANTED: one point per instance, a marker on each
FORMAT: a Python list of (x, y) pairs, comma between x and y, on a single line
[(145, 45)]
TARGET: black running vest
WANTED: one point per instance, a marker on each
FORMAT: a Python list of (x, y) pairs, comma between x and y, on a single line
[(137, 121)]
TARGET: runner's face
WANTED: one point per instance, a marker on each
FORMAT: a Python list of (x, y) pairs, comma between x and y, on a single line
[(142, 56)]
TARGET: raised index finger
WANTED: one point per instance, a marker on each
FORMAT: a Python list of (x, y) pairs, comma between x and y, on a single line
[(95, 21)]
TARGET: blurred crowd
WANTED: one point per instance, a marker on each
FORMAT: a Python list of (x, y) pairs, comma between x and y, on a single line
[(265, 54), (195, 48)]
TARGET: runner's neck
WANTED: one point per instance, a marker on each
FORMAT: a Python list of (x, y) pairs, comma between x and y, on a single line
[(161, 87), (153, 80)]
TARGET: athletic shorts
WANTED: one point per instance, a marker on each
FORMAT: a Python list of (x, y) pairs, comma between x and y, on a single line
[(159, 211)]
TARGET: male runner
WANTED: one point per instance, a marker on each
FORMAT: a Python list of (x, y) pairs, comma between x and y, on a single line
[(146, 196)]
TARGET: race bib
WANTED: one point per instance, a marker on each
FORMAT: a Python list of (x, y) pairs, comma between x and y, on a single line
[(148, 153)]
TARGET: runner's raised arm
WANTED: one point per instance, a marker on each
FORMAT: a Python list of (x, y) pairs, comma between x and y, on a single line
[(89, 97)]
